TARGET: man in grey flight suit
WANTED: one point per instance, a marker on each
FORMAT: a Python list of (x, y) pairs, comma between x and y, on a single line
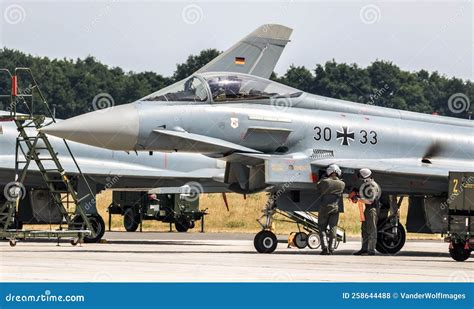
[(369, 194), (330, 191)]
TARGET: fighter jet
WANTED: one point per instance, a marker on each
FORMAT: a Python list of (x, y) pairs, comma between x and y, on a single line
[(104, 169), (259, 52), (277, 138)]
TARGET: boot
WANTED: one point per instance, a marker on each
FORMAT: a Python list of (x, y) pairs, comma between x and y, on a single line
[(332, 246), (324, 240), (361, 252), (371, 246), (325, 252)]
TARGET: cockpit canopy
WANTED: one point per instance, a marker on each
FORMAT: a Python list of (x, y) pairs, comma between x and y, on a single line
[(223, 87)]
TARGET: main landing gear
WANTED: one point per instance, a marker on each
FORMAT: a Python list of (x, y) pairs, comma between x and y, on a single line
[(391, 235)]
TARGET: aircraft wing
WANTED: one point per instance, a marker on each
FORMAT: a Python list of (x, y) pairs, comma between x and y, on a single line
[(256, 54), (188, 141), (398, 166)]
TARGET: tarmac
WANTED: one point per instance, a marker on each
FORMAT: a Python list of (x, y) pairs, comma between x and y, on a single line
[(209, 257)]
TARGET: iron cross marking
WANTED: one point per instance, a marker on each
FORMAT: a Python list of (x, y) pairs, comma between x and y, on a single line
[(345, 135)]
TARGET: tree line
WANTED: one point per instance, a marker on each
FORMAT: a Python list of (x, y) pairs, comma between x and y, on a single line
[(71, 85)]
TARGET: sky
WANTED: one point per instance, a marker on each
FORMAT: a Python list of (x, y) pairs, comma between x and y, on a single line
[(156, 35)]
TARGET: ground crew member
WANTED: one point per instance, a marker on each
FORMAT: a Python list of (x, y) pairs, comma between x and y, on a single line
[(330, 190), (368, 194)]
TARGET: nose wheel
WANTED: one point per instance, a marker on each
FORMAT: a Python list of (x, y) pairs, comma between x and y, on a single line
[(265, 242)]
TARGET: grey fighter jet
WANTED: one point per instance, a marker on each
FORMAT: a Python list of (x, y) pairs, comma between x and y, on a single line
[(257, 53), (104, 169), (277, 138)]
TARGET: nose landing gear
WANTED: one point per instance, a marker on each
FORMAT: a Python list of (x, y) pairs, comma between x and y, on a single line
[(266, 241)]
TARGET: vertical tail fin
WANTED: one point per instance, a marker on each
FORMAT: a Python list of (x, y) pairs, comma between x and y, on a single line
[(256, 54)]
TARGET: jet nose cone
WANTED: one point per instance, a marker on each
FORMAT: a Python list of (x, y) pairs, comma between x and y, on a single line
[(113, 128)]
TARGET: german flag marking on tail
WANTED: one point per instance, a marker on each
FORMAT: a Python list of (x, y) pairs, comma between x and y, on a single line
[(239, 60)]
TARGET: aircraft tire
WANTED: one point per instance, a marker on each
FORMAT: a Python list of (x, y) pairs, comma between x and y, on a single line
[(265, 242), (390, 245)]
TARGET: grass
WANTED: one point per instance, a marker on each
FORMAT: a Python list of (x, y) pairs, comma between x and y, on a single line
[(242, 215)]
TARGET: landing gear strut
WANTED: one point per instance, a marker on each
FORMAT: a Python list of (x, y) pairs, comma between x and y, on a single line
[(391, 234), (266, 241)]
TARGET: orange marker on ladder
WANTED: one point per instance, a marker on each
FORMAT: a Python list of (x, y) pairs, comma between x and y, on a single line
[(14, 86)]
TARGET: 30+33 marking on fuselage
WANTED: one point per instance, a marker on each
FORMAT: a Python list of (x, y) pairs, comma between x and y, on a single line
[(345, 135)]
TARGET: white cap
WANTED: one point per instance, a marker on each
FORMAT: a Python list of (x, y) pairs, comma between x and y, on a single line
[(365, 173), (333, 168)]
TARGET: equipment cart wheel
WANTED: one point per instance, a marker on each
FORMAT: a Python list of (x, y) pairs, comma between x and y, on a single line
[(301, 240), (74, 242), (265, 242), (131, 219), (459, 252), (98, 225), (182, 226), (12, 242), (313, 241)]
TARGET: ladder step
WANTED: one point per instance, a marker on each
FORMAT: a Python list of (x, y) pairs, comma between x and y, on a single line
[(54, 181)]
